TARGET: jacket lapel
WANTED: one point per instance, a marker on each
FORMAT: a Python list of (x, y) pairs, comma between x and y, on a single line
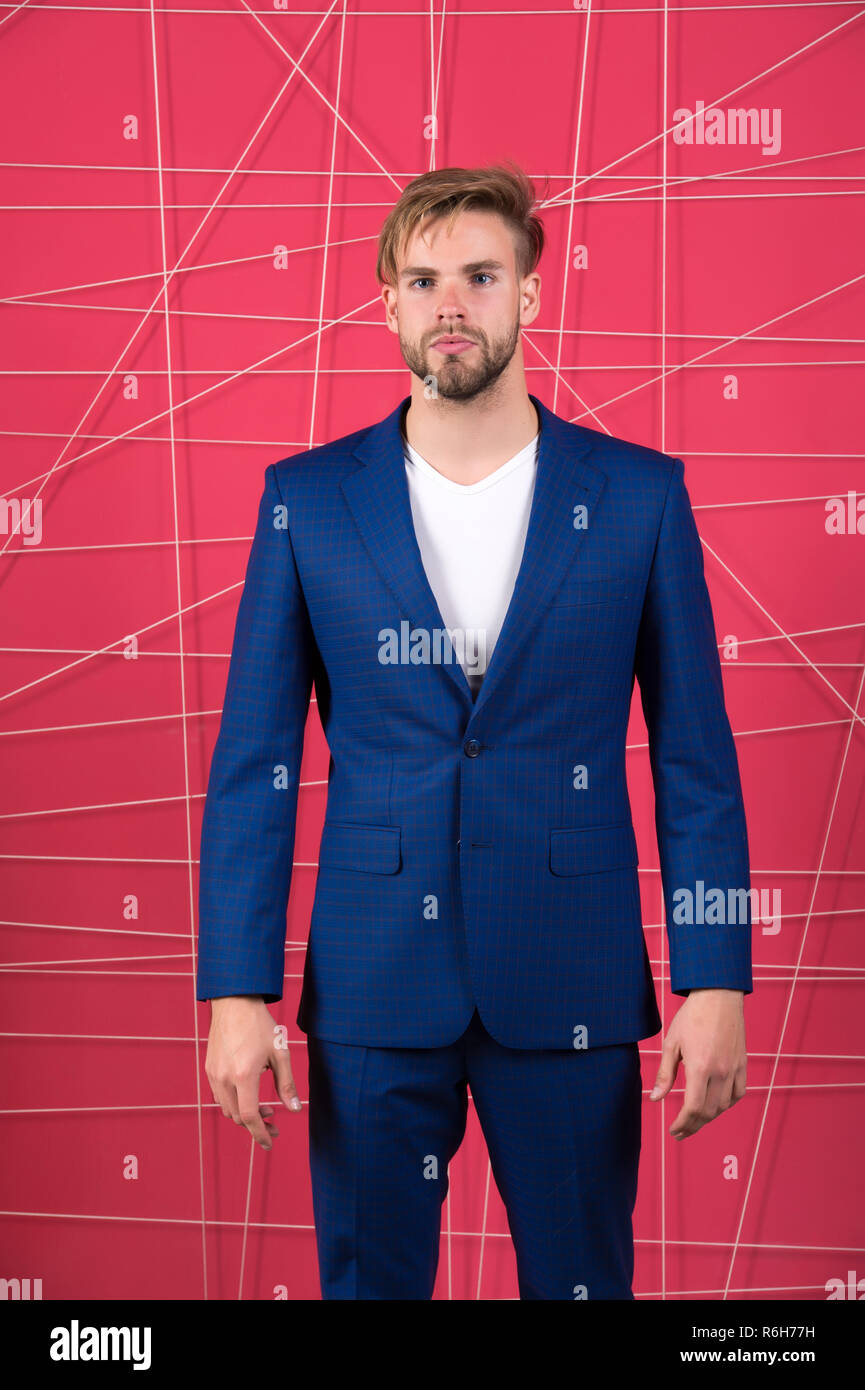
[(378, 496)]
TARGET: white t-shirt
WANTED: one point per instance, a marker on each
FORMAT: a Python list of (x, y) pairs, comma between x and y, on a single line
[(471, 538)]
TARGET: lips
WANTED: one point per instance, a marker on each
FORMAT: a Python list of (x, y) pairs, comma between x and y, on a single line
[(453, 345)]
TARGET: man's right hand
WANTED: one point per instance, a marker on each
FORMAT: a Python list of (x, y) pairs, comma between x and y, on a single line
[(241, 1045)]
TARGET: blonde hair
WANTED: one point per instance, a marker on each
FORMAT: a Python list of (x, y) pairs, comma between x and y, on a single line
[(501, 188)]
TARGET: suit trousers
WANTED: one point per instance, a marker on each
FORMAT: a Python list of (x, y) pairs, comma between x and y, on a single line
[(563, 1134)]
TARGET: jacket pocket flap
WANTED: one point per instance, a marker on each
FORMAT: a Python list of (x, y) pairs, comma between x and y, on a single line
[(368, 849), (590, 591), (591, 849)]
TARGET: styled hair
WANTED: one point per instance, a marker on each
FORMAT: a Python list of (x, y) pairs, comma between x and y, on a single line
[(502, 188)]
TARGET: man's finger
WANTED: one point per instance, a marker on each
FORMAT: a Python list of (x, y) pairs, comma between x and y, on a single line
[(220, 1093), (248, 1109), (670, 1057), (719, 1094), (266, 1111), (229, 1098), (280, 1065), (691, 1116)]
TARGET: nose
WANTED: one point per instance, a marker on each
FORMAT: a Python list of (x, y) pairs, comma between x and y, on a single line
[(450, 310), (450, 320)]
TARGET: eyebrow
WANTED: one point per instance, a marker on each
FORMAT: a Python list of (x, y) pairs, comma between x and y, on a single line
[(472, 268)]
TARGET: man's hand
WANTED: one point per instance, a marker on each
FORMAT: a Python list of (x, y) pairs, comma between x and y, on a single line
[(708, 1035), (241, 1045)]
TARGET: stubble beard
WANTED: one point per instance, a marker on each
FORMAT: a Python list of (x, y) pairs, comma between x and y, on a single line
[(456, 378)]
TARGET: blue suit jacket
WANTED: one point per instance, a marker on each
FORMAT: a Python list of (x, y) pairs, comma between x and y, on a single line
[(475, 852)]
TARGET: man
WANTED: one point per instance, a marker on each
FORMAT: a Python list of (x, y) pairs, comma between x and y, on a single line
[(472, 585)]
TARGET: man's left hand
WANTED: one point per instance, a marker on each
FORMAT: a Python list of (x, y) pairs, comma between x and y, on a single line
[(708, 1035)]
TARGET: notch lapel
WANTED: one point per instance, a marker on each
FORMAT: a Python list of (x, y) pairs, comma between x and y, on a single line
[(378, 497)]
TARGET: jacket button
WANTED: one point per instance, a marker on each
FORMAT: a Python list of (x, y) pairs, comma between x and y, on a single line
[(472, 748)]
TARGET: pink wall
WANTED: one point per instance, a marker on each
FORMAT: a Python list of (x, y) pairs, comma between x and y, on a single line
[(719, 317)]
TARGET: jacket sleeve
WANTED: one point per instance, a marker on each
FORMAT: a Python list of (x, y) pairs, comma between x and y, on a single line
[(248, 828), (699, 810)]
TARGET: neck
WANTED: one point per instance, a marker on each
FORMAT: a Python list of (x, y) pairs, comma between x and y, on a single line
[(468, 440)]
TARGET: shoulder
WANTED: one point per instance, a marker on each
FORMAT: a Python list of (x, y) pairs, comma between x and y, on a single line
[(624, 461), (326, 463)]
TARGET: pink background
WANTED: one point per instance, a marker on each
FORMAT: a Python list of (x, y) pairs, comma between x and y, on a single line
[(718, 260)]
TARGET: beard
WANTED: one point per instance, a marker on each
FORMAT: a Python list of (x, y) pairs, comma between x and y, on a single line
[(457, 378)]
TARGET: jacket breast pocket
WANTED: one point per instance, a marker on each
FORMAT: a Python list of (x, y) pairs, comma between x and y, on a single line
[(365, 849), (595, 591), (592, 849)]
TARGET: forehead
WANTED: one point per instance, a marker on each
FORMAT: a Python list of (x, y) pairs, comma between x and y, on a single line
[(476, 234)]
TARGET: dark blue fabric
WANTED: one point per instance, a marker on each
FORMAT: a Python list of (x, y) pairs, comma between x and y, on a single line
[(563, 1135), (460, 866)]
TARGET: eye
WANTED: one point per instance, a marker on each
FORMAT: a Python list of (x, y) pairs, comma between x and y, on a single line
[(425, 279)]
